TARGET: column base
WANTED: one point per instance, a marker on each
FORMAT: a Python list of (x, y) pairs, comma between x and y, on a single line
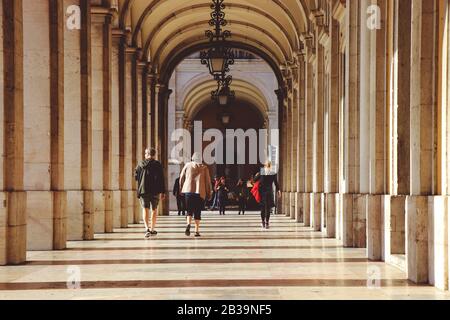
[(292, 205), (306, 209), (374, 227), (99, 212), (13, 228), (331, 208), (438, 210), (109, 213), (88, 215), (123, 209), (75, 215), (299, 207), (417, 239), (116, 208), (59, 220), (316, 210)]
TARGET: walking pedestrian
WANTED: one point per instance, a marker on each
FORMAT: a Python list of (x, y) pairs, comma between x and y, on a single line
[(267, 180), (149, 176), (195, 184)]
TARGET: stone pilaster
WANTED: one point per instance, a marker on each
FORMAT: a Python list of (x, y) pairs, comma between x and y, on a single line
[(100, 57), (116, 121), (309, 118), (56, 10), (417, 239), (13, 218), (72, 127), (86, 121), (44, 124), (351, 123), (301, 145)]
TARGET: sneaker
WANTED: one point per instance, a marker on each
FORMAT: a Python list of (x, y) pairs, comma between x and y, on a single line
[(188, 231), (153, 233), (197, 234), (267, 226), (148, 234)]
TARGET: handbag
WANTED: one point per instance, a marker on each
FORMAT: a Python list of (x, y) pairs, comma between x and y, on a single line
[(255, 192)]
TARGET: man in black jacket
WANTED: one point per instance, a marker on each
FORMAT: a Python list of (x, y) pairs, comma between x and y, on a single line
[(150, 189)]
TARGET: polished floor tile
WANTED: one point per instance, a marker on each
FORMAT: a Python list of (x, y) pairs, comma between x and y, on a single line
[(234, 259)]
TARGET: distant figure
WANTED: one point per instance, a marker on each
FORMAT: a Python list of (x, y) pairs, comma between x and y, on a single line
[(242, 193), (181, 206), (150, 189), (195, 184), (222, 195), (267, 179), (215, 198)]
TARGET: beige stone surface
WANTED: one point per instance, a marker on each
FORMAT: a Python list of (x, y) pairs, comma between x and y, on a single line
[(74, 215), (417, 218), (39, 220), (99, 212), (438, 242), (374, 227)]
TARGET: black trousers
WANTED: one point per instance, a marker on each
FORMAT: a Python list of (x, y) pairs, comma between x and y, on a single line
[(181, 204), (267, 204), (242, 205)]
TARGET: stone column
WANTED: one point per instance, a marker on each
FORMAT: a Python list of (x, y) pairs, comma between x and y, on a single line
[(116, 129), (3, 196), (138, 153), (281, 202), (378, 124), (86, 121), (332, 185), (72, 127), (44, 124), (294, 141), (164, 95), (352, 224), (125, 134), (100, 105), (102, 77), (318, 140), (13, 220), (289, 153), (57, 25), (301, 145), (422, 141), (309, 92), (152, 102), (287, 157)]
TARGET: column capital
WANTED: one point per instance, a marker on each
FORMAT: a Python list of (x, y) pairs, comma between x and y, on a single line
[(103, 11)]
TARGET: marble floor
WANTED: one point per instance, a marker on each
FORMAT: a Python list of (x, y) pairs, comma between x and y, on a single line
[(234, 259)]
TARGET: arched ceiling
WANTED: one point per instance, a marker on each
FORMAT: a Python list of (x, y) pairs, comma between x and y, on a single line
[(201, 95), (165, 27)]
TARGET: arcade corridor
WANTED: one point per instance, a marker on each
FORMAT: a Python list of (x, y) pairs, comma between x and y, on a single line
[(353, 101)]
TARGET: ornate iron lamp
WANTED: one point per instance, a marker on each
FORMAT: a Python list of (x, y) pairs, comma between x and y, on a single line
[(223, 95), (219, 56)]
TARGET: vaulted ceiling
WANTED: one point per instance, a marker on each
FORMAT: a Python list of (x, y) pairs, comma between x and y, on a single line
[(164, 28)]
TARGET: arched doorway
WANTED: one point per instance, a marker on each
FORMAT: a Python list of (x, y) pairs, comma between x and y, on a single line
[(256, 107)]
